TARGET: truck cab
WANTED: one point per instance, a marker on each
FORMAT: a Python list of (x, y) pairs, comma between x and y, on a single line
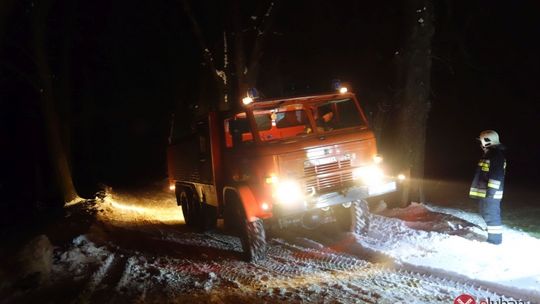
[(279, 162)]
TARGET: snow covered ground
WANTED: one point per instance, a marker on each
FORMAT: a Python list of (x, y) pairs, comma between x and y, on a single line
[(511, 268), (139, 250)]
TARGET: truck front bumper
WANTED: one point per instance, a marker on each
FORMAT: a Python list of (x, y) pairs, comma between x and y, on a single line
[(346, 195)]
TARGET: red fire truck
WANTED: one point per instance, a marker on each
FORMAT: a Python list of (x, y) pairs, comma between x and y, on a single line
[(279, 162)]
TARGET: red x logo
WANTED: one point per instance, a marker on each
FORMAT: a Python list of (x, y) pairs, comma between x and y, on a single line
[(464, 299)]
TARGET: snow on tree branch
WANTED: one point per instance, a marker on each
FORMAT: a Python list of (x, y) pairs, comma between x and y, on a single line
[(225, 51), (266, 20), (269, 10), (221, 74)]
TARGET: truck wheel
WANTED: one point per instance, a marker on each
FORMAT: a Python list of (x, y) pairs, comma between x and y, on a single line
[(359, 217), (253, 240), (182, 201), (252, 234), (354, 219), (190, 208)]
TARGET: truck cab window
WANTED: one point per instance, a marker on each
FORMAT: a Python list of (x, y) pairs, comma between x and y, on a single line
[(281, 122), (237, 132), (337, 114)]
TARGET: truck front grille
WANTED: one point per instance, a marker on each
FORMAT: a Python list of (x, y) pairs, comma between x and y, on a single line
[(328, 177)]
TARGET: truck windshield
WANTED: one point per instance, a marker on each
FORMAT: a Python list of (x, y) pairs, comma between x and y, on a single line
[(337, 114), (281, 122)]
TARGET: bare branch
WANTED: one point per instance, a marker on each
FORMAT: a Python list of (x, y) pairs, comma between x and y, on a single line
[(239, 56), (257, 52), (207, 55)]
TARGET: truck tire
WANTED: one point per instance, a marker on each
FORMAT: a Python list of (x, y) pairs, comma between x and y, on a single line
[(181, 200), (354, 219), (359, 217), (190, 207), (253, 240), (252, 234)]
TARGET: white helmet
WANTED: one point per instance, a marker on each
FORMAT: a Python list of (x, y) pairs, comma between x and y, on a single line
[(488, 138)]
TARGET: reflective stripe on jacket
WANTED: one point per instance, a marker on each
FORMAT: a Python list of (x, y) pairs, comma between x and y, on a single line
[(488, 180)]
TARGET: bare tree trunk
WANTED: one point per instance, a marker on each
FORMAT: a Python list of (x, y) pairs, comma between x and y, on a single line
[(260, 40), (63, 181), (247, 70), (415, 83), (240, 66), (63, 99)]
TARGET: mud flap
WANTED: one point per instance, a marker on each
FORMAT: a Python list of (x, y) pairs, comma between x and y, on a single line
[(208, 217)]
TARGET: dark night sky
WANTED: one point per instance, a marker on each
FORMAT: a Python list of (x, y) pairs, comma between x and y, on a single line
[(132, 63)]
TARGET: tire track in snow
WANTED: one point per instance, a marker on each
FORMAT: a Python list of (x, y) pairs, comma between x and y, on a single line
[(286, 261), (323, 259), (111, 278), (359, 270), (96, 279), (248, 275), (231, 242), (330, 271), (473, 285), (389, 274), (281, 266), (486, 289), (134, 282)]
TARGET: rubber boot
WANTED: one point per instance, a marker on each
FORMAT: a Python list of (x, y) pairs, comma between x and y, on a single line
[(494, 238)]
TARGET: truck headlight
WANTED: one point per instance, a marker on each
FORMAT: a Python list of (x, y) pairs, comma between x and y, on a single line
[(287, 192), (369, 175)]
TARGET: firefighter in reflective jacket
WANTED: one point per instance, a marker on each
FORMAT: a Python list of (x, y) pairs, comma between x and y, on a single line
[(488, 184)]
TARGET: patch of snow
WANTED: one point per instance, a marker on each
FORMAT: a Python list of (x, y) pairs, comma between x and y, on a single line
[(309, 243), (470, 217), (96, 279), (509, 267), (74, 201)]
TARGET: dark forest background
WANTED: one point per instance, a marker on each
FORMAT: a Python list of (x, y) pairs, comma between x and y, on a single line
[(116, 72)]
